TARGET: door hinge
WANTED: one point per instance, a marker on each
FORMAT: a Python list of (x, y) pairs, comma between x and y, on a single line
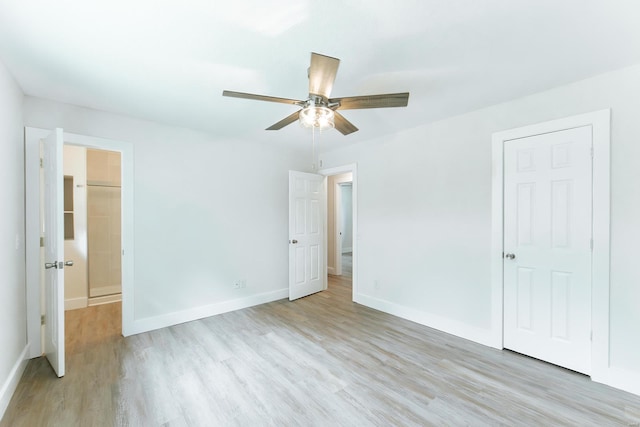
[(42, 242), (591, 336), (41, 163), (591, 244), (42, 322)]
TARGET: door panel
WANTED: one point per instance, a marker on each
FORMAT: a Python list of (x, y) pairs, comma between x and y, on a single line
[(560, 304), (54, 250), (526, 201), (307, 259), (525, 298), (560, 204), (315, 262), (547, 221)]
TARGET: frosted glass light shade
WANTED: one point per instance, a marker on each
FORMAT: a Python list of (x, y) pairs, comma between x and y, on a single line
[(317, 117)]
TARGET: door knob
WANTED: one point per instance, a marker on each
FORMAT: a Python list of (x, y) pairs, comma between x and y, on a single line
[(293, 241), (510, 256), (58, 264)]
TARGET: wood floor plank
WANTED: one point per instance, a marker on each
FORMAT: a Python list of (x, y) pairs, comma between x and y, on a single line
[(318, 361)]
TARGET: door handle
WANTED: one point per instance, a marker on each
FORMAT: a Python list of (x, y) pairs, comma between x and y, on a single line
[(48, 265), (510, 256), (58, 264), (293, 241)]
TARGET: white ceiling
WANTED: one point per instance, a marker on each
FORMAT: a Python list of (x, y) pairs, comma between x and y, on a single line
[(169, 60)]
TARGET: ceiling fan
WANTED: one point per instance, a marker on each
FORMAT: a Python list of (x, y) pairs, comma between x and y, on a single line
[(319, 110)]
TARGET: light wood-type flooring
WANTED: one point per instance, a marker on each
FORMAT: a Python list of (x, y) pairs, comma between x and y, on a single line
[(347, 264), (317, 361)]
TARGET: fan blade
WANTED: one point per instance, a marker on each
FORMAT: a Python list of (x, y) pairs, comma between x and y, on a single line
[(261, 97), (322, 74), (343, 125), (284, 122), (372, 101)]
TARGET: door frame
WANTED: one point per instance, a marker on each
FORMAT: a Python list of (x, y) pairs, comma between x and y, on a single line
[(34, 266), (599, 121), (353, 168)]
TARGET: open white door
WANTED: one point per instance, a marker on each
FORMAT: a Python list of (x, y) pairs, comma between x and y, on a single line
[(307, 248), (54, 251)]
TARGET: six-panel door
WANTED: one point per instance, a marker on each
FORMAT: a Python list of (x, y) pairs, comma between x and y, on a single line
[(307, 252), (547, 245)]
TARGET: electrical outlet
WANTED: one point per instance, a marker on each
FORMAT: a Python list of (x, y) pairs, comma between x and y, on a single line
[(239, 284), (376, 284)]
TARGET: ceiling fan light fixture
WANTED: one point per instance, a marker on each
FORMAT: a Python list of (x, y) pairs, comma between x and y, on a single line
[(318, 109), (317, 117)]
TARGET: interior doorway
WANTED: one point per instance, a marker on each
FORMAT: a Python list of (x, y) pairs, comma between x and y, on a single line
[(34, 254), (341, 225), (344, 235), (93, 226), (339, 220)]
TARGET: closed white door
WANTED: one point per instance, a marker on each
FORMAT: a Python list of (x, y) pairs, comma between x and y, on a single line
[(547, 245), (54, 251), (307, 247)]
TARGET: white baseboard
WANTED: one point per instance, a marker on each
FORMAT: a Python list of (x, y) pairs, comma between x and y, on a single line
[(11, 383), (331, 270), (75, 303), (619, 378), (104, 291), (453, 327), (170, 319), (107, 299)]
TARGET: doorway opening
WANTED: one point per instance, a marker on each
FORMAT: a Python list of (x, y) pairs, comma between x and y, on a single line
[(93, 240), (34, 205), (341, 225), (93, 230)]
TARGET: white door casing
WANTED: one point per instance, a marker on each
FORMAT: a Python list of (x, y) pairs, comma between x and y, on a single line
[(54, 251), (307, 239), (547, 227)]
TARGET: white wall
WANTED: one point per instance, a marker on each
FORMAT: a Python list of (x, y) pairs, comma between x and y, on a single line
[(13, 338), (424, 209), (206, 213)]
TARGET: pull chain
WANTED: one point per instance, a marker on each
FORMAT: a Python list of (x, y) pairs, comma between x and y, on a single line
[(313, 149)]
